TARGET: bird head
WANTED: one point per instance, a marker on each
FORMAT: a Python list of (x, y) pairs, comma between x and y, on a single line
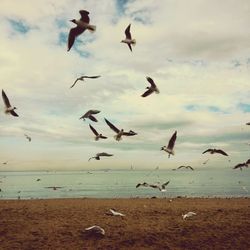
[(14, 108), (73, 21), (162, 148)]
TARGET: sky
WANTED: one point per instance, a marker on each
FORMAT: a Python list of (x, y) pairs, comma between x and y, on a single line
[(197, 52)]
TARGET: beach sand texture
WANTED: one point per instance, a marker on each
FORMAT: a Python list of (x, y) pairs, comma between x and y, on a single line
[(149, 224)]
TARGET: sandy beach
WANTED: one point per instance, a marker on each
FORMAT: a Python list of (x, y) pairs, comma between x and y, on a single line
[(148, 224)]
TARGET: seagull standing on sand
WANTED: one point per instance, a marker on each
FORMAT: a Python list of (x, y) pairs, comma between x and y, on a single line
[(82, 79), (170, 148), (98, 155), (119, 132), (215, 151), (95, 230), (151, 89), (8, 108), (28, 137), (97, 135), (189, 214), (82, 25), (90, 114), (128, 40)]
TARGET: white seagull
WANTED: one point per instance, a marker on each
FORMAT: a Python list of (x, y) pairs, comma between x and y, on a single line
[(119, 132), (128, 40), (170, 148), (151, 89), (97, 135), (82, 79), (8, 108), (95, 230), (82, 25), (98, 155), (28, 137), (115, 213), (189, 214), (89, 114)]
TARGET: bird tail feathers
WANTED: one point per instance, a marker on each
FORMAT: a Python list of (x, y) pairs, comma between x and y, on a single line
[(133, 42), (91, 28)]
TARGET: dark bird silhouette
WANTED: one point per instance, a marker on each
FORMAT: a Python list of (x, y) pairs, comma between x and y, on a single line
[(98, 155), (28, 137), (54, 188), (144, 184), (119, 132), (248, 123), (161, 187), (82, 79), (90, 114), (151, 89), (240, 166), (128, 40), (215, 151), (97, 135), (8, 108), (82, 25), (187, 167), (170, 148)]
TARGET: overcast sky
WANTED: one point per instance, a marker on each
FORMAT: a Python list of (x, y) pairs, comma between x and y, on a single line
[(197, 52)]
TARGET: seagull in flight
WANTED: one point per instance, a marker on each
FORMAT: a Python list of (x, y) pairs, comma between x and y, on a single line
[(95, 230), (119, 132), (8, 108), (144, 184), (28, 137), (82, 25), (54, 188), (215, 151), (90, 114), (187, 215), (242, 165), (128, 40), (170, 148), (187, 167), (151, 89), (82, 79), (115, 213), (98, 155), (97, 135), (162, 187)]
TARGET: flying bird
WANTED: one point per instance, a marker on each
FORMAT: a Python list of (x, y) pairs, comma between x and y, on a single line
[(128, 40), (189, 214), (8, 108), (95, 230), (98, 155), (187, 167), (248, 123), (242, 165), (28, 137), (170, 148), (90, 114), (82, 25), (54, 188), (162, 187), (144, 184), (151, 89), (215, 151), (82, 79), (97, 135), (119, 132)]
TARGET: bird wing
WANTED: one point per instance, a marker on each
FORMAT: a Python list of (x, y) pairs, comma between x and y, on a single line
[(240, 165), (94, 112), (151, 81), (148, 92), (84, 16), (113, 127), (208, 150), (93, 130), (165, 184), (14, 113), (5, 99), (91, 158), (138, 185), (92, 118), (130, 133), (219, 151), (129, 45), (190, 167), (104, 154), (103, 137), (181, 167), (74, 83), (127, 33), (92, 77), (248, 161), (73, 33), (172, 140)]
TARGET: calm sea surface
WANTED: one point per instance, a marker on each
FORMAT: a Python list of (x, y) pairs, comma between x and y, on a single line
[(121, 183)]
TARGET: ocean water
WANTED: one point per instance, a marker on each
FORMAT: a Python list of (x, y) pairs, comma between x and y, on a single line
[(121, 183)]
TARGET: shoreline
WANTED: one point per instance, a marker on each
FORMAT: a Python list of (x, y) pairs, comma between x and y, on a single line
[(220, 223)]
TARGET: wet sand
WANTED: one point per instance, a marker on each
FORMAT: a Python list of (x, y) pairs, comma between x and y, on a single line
[(149, 224)]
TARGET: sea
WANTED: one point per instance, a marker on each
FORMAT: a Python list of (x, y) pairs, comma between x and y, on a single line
[(205, 182)]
